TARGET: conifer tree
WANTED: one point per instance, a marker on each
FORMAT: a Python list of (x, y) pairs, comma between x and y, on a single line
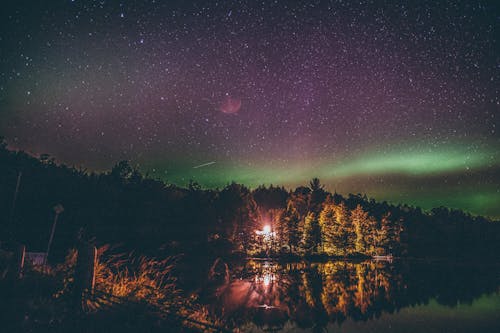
[(312, 234), (280, 226), (292, 225), (361, 225), (384, 233), (316, 196), (372, 236), (329, 228), (344, 235)]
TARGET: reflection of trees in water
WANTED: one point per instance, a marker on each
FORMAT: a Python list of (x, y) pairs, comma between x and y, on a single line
[(349, 290), (338, 288), (311, 295)]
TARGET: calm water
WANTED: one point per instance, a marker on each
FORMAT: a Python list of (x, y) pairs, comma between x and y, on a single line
[(339, 296)]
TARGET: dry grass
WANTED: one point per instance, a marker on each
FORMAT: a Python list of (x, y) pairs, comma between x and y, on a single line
[(137, 278), (129, 283), (149, 281), (125, 278)]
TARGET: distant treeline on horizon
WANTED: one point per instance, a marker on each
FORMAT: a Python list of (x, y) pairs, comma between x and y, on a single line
[(124, 206)]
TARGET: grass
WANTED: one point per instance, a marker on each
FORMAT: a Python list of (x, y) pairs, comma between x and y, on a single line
[(132, 293)]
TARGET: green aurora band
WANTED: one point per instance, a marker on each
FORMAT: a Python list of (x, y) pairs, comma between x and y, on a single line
[(452, 176)]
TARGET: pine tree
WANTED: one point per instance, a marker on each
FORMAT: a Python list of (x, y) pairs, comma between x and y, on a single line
[(361, 225), (240, 214), (392, 230), (312, 234), (384, 233), (317, 196), (280, 226), (372, 236), (329, 227), (291, 226), (344, 235)]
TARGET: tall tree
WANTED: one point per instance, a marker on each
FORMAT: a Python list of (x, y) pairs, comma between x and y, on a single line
[(361, 226), (372, 236), (311, 239), (295, 225), (344, 234), (329, 228), (316, 196), (238, 212), (385, 234), (279, 225)]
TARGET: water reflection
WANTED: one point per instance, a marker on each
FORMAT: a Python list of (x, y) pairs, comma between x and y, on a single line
[(314, 295)]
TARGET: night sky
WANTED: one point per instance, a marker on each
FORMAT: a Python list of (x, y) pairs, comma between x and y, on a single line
[(398, 100)]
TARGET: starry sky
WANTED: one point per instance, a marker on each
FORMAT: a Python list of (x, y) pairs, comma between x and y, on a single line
[(398, 100)]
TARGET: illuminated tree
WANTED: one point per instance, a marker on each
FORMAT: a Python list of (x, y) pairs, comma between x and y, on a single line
[(372, 235), (327, 223), (279, 227), (384, 236), (361, 226), (389, 235), (291, 226), (336, 229), (311, 239)]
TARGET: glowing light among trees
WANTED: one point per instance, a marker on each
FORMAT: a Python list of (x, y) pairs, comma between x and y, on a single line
[(266, 231)]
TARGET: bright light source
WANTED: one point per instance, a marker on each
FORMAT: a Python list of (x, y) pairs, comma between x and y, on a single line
[(266, 232), (267, 279)]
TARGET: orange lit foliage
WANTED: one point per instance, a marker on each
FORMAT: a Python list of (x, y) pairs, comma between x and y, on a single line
[(136, 278)]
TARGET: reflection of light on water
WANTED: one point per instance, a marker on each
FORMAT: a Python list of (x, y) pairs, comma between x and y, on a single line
[(265, 279)]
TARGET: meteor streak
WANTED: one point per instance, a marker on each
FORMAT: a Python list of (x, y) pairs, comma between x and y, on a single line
[(203, 165)]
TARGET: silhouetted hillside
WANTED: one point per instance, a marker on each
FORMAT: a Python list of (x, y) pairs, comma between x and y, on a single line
[(124, 206)]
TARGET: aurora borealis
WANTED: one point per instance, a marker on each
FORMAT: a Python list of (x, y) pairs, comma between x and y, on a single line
[(398, 100)]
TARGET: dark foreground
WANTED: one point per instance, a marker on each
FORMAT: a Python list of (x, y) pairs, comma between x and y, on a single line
[(266, 296)]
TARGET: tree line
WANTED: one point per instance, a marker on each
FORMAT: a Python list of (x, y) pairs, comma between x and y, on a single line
[(123, 205), (314, 221)]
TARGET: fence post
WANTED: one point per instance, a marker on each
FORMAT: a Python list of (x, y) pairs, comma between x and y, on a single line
[(19, 253), (16, 266), (85, 272)]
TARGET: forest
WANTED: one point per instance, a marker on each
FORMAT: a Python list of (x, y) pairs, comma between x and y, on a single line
[(123, 205)]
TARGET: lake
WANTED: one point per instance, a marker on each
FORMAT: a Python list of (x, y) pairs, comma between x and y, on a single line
[(343, 296)]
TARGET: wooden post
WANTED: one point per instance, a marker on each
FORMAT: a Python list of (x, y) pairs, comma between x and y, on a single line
[(20, 253), (85, 272), (16, 265), (58, 209)]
